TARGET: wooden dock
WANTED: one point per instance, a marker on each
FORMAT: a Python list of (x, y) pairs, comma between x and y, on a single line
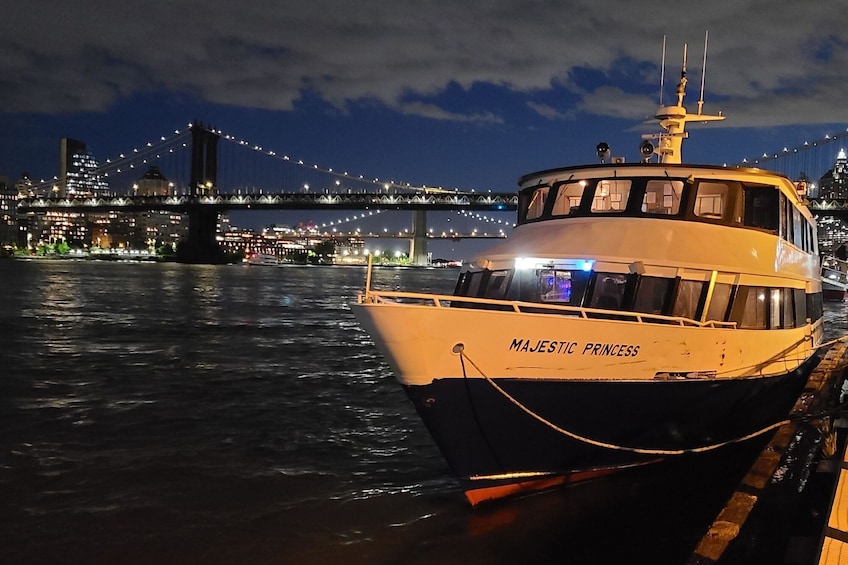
[(791, 508)]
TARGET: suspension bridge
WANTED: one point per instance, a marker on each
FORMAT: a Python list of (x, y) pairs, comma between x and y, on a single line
[(236, 175), (210, 172)]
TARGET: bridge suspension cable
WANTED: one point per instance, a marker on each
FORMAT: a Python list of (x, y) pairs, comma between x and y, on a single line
[(810, 160)]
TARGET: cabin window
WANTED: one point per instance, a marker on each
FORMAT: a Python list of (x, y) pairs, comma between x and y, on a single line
[(497, 284), (814, 306), (762, 208), (611, 195), (568, 198), (787, 310), (687, 299), (775, 303), (711, 200), (755, 307), (474, 280), (797, 227), (652, 295), (608, 293), (662, 197), (800, 307), (717, 310), (555, 286), (787, 227), (537, 202)]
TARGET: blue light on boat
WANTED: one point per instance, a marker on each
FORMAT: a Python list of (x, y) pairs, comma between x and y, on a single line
[(587, 265)]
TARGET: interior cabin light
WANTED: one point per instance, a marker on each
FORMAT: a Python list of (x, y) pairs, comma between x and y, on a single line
[(523, 263)]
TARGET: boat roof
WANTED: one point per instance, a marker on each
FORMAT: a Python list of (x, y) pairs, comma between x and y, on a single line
[(658, 170), (645, 169)]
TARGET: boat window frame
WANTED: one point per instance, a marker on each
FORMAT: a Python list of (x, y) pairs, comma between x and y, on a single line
[(733, 210), (506, 279), (525, 197), (681, 198), (722, 298), (608, 198), (767, 218), (665, 296), (573, 210)]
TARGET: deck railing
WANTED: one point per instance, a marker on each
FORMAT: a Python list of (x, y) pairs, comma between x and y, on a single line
[(520, 307)]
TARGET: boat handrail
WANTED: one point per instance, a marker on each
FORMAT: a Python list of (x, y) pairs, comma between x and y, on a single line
[(520, 307)]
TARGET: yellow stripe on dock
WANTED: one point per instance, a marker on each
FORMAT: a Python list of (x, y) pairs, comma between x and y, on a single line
[(834, 549)]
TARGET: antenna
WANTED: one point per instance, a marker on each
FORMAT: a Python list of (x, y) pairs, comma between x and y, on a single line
[(703, 73), (662, 73), (681, 86)]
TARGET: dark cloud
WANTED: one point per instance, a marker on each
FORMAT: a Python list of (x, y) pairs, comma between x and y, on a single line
[(780, 60)]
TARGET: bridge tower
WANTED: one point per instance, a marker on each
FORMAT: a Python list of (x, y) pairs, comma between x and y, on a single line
[(418, 245), (204, 160), (201, 246)]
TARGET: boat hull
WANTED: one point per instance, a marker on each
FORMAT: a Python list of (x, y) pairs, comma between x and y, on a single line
[(535, 433), (518, 401), (833, 292)]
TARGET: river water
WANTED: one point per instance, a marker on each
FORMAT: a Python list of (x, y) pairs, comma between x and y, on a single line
[(164, 413)]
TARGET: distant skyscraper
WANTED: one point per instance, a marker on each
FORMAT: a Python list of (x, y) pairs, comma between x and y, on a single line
[(834, 184), (78, 171), (8, 202)]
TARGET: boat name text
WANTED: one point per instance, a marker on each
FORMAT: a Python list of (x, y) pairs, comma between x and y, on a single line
[(573, 347)]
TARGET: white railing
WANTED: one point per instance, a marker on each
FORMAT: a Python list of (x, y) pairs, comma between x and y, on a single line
[(519, 307)]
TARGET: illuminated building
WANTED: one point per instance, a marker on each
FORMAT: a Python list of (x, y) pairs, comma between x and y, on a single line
[(155, 228), (8, 202), (833, 185), (78, 171)]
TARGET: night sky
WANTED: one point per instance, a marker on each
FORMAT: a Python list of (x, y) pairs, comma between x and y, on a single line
[(440, 93)]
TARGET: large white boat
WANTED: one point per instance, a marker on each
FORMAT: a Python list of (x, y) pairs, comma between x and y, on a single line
[(638, 311), (262, 259)]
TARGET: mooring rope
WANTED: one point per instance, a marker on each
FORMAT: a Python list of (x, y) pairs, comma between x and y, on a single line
[(460, 349)]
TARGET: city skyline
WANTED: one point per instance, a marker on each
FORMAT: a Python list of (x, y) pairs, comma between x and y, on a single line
[(414, 92), (438, 94)]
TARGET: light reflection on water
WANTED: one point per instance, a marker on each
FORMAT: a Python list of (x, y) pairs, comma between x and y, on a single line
[(174, 413)]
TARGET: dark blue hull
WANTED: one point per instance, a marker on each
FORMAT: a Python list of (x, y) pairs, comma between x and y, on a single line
[(496, 448)]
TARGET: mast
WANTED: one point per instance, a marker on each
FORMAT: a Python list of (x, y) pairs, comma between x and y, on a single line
[(673, 119)]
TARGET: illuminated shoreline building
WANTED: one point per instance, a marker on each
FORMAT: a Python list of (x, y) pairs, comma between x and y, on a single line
[(155, 228), (833, 186), (78, 171)]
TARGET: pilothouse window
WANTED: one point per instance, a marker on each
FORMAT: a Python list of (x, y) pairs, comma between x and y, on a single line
[(611, 195), (568, 198), (537, 202), (662, 197), (762, 207), (711, 200)]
